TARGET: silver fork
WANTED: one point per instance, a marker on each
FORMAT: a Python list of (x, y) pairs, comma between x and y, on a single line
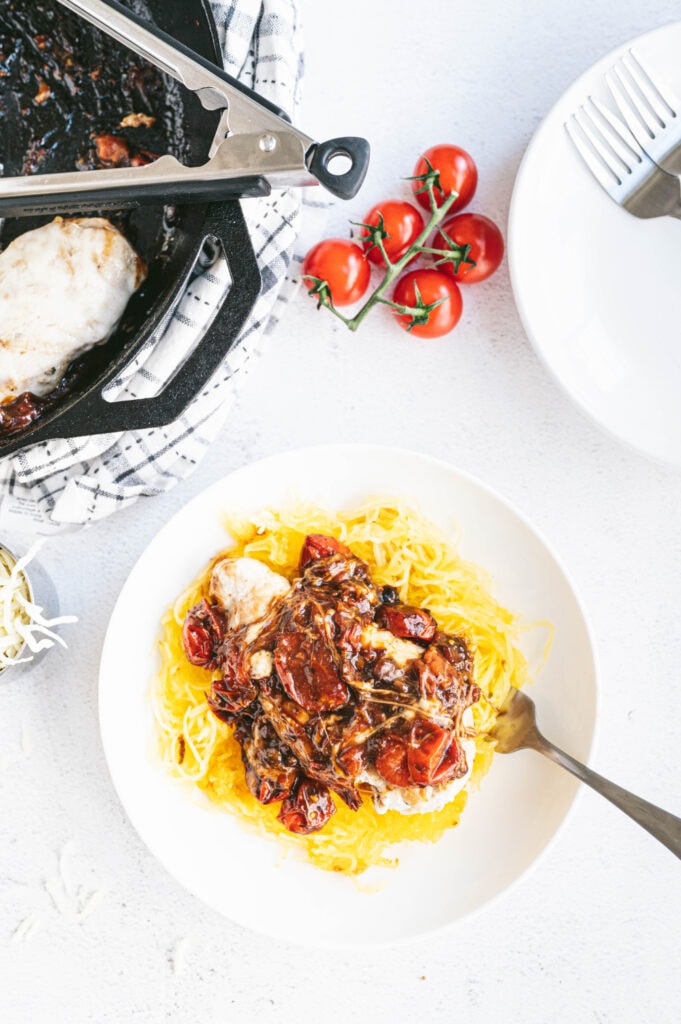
[(620, 166), (651, 114), (516, 729)]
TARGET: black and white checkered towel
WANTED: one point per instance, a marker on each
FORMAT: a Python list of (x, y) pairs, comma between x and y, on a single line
[(64, 484)]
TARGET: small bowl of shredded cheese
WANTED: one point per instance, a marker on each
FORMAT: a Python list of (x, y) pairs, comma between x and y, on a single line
[(24, 630)]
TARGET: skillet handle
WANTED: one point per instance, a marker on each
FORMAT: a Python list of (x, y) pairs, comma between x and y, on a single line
[(94, 415)]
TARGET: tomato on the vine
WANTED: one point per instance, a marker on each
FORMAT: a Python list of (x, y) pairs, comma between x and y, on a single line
[(485, 241), (402, 223), (344, 267), (420, 288), (457, 173)]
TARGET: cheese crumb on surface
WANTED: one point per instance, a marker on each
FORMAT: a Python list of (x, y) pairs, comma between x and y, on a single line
[(26, 929), (73, 901), (177, 956)]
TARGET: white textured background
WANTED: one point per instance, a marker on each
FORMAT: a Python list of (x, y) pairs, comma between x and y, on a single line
[(593, 933)]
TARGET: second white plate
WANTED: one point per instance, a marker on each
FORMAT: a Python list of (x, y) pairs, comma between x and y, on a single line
[(598, 289)]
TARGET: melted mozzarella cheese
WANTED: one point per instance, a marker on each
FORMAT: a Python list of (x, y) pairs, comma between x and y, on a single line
[(246, 590), (63, 289), (262, 664), (399, 651)]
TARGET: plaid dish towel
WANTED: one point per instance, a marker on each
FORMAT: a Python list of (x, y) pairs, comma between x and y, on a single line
[(64, 484)]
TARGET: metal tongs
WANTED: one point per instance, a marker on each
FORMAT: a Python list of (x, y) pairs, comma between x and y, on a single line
[(255, 148)]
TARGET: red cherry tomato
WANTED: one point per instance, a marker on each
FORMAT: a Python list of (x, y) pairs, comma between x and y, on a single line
[(431, 286), (307, 808), (342, 264), (202, 632), (485, 240), (421, 754), (407, 622), (318, 545), (308, 673), (457, 171), (402, 223)]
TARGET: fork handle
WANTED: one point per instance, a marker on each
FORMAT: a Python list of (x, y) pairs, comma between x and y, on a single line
[(661, 824)]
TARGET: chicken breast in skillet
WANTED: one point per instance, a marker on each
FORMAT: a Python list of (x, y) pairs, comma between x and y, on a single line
[(63, 289)]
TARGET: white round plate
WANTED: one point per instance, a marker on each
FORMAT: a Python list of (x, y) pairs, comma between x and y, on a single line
[(598, 289), (507, 823)]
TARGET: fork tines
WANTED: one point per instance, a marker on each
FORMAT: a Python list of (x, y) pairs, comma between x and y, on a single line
[(607, 147), (650, 110)]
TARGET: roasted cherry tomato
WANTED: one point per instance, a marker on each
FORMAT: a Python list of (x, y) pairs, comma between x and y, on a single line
[(319, 545), (391, 758), (445, 673), (343, 265), (403, 224), (457, 171), (235, 690), (422, 754), (308, 673), (202, 633), (271, 768), (307, 808), (485, 240), (429, 286), (434, 755), (407, 622)]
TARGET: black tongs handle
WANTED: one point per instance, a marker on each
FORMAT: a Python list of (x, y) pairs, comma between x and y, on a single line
[(346, 184)]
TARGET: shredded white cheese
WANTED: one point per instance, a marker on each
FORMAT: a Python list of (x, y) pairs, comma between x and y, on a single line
[(26, 928), (178, 956), (26, 744), (73, 902), (90, 903), (22, 621)]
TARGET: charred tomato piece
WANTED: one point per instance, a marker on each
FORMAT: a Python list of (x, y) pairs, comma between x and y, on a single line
[(318, 545), (390, 757), (18, 412), (406, 622), (307, 808), (271, 767), (112, 150), (420, 754), (202, 633), (308, 673), (352, 760), (446, 673), (296, 728), (434, 755), (235, 690)]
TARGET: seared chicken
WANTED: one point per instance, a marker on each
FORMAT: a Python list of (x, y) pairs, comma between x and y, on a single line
[(63, 289), (245, 589)]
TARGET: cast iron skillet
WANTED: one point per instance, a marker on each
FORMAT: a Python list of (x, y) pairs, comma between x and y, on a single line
[(171, 241)]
